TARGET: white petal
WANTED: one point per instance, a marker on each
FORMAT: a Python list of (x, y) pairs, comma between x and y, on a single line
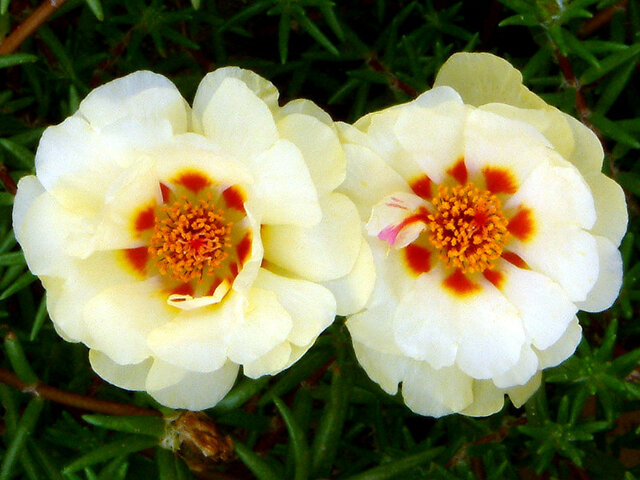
[(369, 179), (131, 377), (320, 148), (163, 374), (522, 393), (436, 96), (45, 235), (433, 136), (390, 219), (436, 392), (563, 348), (481, 331), (482, 78), (261, 87), (606, 289), (119, 319), (544, 306), (270, 363), (266, 324), (312, 307), (354, 289), (283, 192), (305, 107), (521, 372), (323, 252), (238, 120), (247, 275), (495, 141), (487, 399), (198, 391), (386, 369), (29, 188), (558, 195), (611, 207), (587, 154), (141, 94), (195, 339)]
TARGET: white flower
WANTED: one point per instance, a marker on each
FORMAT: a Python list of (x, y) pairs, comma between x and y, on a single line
[(179, 244), (491, 225)]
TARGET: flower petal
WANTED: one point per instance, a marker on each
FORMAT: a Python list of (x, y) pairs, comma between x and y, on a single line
[(487, 399), (196, 390), (587, 154), (494, 80), (432, 392), (433, 136), (270, 363), (283, 192), (563, 348), (266, 324), (119, 327), (369, 179), (606, 289), (323, 252), (544, 306), (481, 331), (312, 307), (141, 94), (237, 120), (521, 372), (29, 188), (520, 394), (354, 289), (305, 107), (131, 377), (320, 148), (386, 369), (611, 207)]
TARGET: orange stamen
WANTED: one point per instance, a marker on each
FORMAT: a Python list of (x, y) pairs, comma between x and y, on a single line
[(468, 227), (190, 240)]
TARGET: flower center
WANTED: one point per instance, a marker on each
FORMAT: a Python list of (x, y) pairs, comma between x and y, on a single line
[(190, 240), (468, 227)]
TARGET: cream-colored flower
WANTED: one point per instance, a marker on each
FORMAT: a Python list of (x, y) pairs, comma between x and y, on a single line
[(179, 244), (490, 225)]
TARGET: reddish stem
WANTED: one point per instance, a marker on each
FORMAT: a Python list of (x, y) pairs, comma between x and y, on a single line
[(6, 180)]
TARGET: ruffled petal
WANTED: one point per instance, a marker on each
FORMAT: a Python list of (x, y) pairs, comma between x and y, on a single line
[(436, 392), (587, 154), (323, 252), (544, 306), (433, 136), (270, 363), (312, 307), (142, 95), (196, 390), (266, 323), (118, 326), (563, 348), (611, 207), (320, 147), (283, 192), (131, 377), (487, 399), (354, 289), (482, 78), (521, 372), (480, 331), (606, 289), (29, 188), (386, 369), (237, 120), (520, 394), (305, 107)]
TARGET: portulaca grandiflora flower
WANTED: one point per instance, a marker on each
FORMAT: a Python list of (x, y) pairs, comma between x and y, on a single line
[(180, 244), (491, 224)]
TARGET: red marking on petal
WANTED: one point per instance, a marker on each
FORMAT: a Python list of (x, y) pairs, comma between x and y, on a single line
[(137, 258), (145, 220), (499, 180), (216, 283), (184, 289), (234, 198), (244, 248), (418, 258), (194, 181), (459, 172), (166, 191), (234, 269), (459, 284), (515, 259), (422, 187), (494, 276), (521, 225)]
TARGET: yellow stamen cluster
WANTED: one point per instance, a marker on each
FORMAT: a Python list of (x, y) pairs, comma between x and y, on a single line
[(190, 240), (468, 227)]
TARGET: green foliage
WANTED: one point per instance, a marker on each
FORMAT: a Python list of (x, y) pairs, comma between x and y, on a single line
[(323, 417)]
